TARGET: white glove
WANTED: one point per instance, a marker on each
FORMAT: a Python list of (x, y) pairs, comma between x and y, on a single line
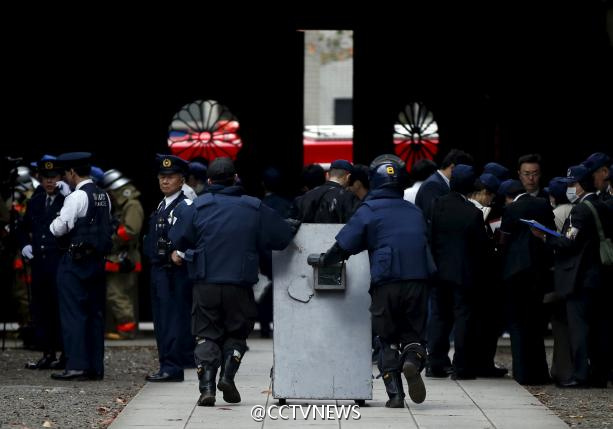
[(27, 252), (63, 187)]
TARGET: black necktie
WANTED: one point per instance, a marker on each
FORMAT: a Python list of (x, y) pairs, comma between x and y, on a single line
[(48, 204)]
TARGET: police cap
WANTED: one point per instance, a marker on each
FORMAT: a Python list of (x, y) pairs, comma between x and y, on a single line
[(74, 160), (500, 171), (48, 166), (170, 164), (595, 161), (342, 164), (510, 187), (576, 173), (490, 182)]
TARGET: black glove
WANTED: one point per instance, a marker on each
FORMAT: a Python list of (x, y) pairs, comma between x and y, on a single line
[(294, 224), (315, 259)]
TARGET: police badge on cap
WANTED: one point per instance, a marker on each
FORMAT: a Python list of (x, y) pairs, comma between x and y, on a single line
[(170, 164)]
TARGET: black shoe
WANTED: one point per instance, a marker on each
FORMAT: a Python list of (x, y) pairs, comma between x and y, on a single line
[(463, 376), (160, 377), (206, 384), (43, 363), (436, 373), (394, 389), (492, 372), (417, 388), (572, 384), (59, 363), (226, 379), (71, 374)]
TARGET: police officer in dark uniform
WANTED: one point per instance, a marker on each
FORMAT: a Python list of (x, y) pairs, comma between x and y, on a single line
[(85, 222), (330, 202), (394, 232), (171, 292), (220, 237), (579, 279), (41, 248), (598, 166)]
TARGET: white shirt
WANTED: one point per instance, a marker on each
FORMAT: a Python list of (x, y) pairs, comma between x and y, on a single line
[(75, 206), (411, 192), (486, 210), (444, 177), (188, 191), (169, 199)]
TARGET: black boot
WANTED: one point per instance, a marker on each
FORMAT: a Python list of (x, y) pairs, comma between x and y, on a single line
[(206, 377), (226, 380), (395, 391), (413, 358)]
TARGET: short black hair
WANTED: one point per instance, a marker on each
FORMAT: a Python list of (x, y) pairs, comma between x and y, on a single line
[(313, 175), (226, 181), (81, 170), (360, 172), (588, 184), (338, 172), (457, 156), (423, 169), (531, 158)]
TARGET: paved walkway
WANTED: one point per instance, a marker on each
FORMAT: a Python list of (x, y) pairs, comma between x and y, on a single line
[(454, 404)]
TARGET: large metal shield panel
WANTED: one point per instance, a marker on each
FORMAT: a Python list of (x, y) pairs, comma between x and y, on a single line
[(322, 338)]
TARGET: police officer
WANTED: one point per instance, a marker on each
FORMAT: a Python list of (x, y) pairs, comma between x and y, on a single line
[(394, 231), (598, 166), (579, 279), (85, 223), (123, 264), (330, 202), (41, 248), (220, 236), (171, 294)]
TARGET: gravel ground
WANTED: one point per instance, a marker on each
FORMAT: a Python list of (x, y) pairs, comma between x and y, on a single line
[(581, 408), (30, 399)]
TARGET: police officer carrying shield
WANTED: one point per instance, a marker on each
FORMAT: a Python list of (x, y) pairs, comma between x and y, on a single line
[(394, 231), (41, 248), (220, 236), (85, 222), (171, 294)]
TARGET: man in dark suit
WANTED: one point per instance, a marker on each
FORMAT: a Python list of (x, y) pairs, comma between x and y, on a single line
[(525, 268), (529, 173), (437, 184), (459, 243), (579, 278)]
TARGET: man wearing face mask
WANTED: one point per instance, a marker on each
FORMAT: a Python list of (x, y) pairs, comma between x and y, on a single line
[(559, 201), (579, 279), (330, 202)]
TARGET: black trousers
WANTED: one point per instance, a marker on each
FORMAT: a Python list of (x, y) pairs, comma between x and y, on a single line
[(451, 305), (222, 318), (44, 304), (525, 313), (81, 295), (589, 334)]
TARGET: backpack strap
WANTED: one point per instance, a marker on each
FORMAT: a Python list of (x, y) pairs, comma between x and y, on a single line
[(597, 219)]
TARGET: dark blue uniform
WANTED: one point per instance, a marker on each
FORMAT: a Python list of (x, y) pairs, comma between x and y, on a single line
[(171, 296), (46, 252), (81, 286), (394, 233), (223, 233)]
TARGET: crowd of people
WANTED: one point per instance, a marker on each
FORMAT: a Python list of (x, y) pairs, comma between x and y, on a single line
[(457, 254)]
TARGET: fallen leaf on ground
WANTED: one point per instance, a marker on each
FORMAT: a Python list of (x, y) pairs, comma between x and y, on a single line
[(121, 401), (47, 424), (103, 410)]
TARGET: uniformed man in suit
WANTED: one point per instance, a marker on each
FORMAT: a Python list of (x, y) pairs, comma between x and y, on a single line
[(437, 184), (219, 238), (41, 249), (393, 231), (84, 223), (330, 202), (459, 245), (525, 271), (171, 291), (598, 166), (579, 279)]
